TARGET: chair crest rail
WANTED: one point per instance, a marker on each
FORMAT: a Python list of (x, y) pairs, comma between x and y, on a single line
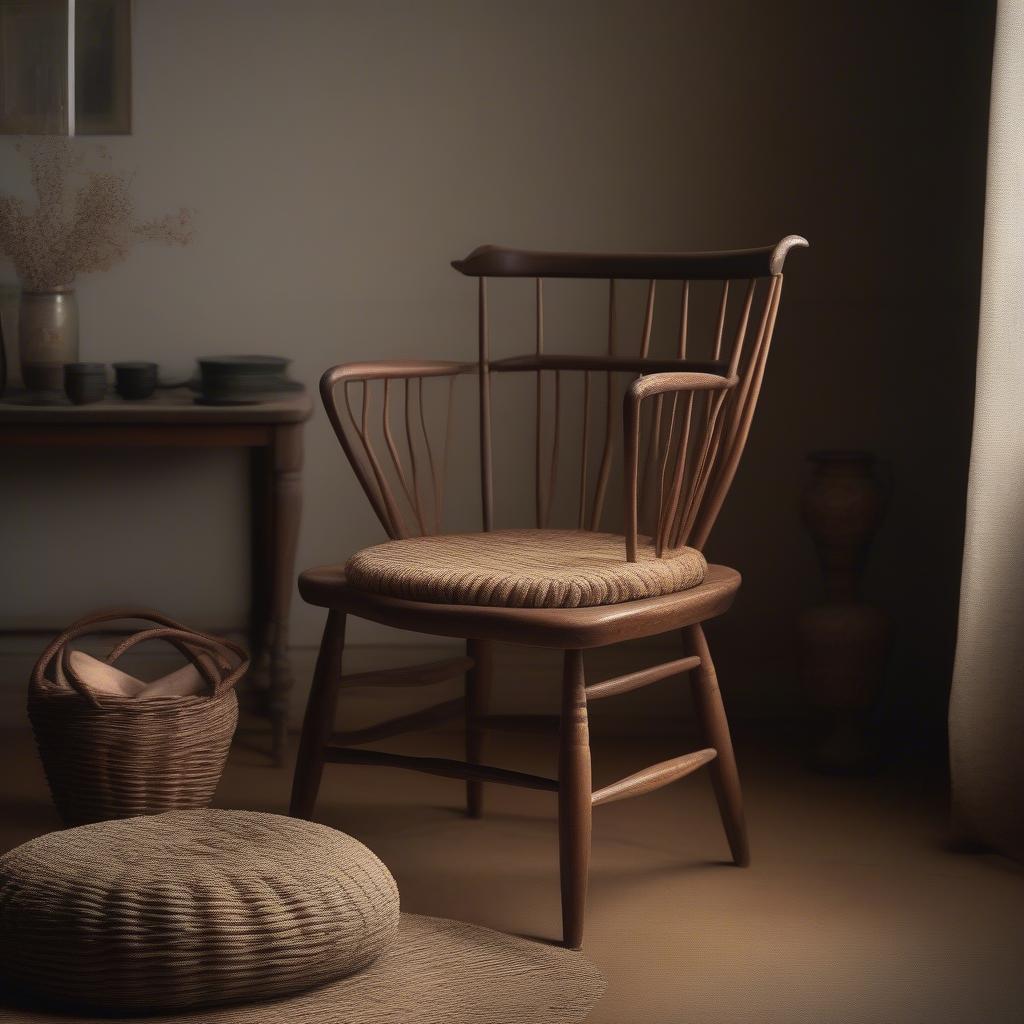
[(497, 261)]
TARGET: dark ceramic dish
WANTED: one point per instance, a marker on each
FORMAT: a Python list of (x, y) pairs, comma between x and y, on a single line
[(136, 381), (239, 367), (240, 380), (85, 383)]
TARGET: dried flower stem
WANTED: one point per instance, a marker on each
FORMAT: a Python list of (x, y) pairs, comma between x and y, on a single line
[(76, 232)]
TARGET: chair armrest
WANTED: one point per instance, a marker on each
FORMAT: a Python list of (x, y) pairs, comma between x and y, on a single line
[(661, 383), (389, 369), (658, 385), (366, 464)]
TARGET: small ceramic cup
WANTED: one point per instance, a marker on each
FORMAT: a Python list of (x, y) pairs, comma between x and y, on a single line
[(135, 381), (85, 383)]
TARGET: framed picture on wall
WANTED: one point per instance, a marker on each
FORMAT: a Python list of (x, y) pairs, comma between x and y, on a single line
[(65, 67), (103, 67), (34, 67)]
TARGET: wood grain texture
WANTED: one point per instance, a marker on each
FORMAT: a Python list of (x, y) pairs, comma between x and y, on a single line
[(135, 435), (486, 446), (286, 514), (607, 363), (644, 677), (365, 430), (496, 261), (654, 777), (168, 406), (318, 723), (715, 726), (574, 799)]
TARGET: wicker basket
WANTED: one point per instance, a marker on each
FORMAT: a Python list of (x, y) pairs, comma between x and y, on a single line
[(116, 757)]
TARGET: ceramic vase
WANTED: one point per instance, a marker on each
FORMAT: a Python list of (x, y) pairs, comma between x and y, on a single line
[(47, 337), (843, 640)]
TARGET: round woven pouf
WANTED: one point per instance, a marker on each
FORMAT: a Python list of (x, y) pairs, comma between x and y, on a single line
[(189, 909)]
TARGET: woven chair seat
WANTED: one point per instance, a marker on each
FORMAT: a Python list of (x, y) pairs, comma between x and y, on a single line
[(190, 908), (522, 569)]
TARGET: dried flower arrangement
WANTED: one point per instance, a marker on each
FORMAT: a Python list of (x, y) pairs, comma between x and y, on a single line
[(76, 231)]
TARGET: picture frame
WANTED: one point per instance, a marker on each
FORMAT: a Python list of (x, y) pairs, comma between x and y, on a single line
[(65, 67)]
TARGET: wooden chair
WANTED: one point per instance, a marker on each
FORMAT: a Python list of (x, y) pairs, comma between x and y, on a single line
[(684, 425)]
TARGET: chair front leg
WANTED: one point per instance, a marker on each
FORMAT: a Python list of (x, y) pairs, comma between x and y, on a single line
[(478, 685), (319, 719), (715, 726), (574, 799)]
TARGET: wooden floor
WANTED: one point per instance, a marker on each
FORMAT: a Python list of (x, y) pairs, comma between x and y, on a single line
[(853, 910)]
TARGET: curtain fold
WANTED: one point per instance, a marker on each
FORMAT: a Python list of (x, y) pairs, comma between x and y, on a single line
[(986, 714)]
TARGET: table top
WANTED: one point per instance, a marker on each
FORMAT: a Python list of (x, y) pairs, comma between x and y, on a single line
[(167, 406)]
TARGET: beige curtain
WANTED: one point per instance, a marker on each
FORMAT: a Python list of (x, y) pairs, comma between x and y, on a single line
[(986, 715)]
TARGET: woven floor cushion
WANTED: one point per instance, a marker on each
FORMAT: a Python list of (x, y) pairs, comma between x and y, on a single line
[(189, 909), (522, 569)]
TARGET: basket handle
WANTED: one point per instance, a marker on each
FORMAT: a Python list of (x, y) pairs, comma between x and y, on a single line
[(210, 672), (200, 648), (218, 647), (81, 627)]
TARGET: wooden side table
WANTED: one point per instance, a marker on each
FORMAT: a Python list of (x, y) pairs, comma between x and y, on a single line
[(270, 431)]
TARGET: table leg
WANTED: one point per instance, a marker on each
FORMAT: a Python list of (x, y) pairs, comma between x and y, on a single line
[(275, 578), (261, 575)]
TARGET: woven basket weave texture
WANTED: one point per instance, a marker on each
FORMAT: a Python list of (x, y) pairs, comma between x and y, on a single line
[(190, 909), (152, 756), (108, 756), (522, 569), (435, 972)]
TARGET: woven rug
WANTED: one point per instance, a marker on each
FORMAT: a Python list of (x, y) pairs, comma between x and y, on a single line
[(436, 972)]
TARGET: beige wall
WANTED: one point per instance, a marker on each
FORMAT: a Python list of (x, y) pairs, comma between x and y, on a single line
[(340, 154)]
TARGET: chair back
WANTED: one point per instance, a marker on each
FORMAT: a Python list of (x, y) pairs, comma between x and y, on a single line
[(676, 423), (685, 415)]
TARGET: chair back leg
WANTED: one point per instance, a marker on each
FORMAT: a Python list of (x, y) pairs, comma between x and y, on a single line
[(478, 684), (715, 726), (319, 720), (574, 799)]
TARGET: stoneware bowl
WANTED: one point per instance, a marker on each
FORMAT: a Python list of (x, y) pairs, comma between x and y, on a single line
[(229, 379), (85, 382), (135, 381)]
